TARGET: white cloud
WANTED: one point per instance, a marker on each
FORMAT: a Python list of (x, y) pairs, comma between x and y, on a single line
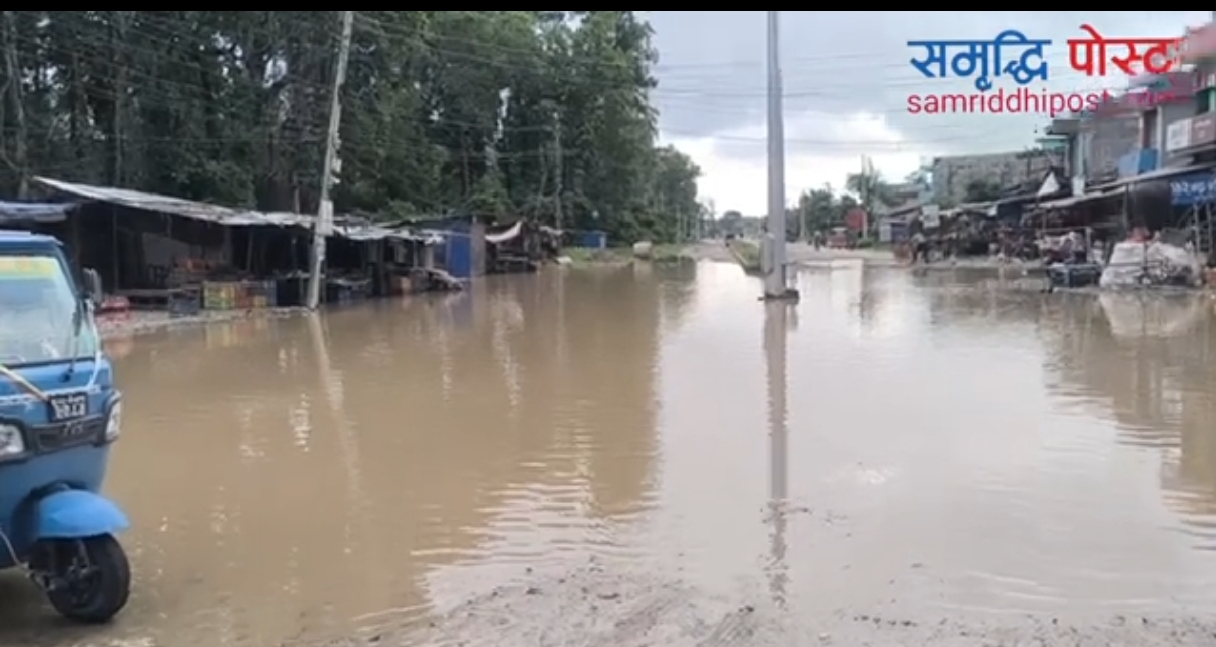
[(856, 77), (820, 149)]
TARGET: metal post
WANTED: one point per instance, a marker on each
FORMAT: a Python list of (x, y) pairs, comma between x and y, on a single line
[(325, 209), (774, 280)]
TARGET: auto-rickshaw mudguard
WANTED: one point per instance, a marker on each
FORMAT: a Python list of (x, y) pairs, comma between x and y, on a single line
[(70, 514)]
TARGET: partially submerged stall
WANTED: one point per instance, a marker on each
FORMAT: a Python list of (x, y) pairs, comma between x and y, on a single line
[(520, 247), (462, 251), (476, 245), (164, 252)]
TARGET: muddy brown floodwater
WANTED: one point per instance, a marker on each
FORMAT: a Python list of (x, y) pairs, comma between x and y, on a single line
[(649, 456)]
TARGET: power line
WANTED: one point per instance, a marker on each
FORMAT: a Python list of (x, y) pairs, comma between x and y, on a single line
[(829, 93), (161, 35)]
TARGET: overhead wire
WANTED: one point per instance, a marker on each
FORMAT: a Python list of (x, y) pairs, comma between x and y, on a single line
[(167, 100), (698, 100), (157, 31)]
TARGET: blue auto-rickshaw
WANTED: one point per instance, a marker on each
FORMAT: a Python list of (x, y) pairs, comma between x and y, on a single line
[(59, 415)]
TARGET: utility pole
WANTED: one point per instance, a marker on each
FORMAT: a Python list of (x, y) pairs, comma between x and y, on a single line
[(774, 280), (560, 170), (325, 210), (804, 228)]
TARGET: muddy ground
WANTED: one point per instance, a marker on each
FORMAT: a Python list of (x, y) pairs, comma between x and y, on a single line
[(594, 608)]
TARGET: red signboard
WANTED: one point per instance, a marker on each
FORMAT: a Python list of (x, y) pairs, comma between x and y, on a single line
[(855, 219)]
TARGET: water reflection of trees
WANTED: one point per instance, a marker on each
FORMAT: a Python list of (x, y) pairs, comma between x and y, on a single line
[(526, 391), (677, 292)]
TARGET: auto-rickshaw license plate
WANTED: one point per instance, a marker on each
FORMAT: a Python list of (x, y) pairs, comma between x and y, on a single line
[(68, 407)]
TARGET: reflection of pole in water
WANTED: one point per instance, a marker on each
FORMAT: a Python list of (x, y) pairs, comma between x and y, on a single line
[(776, 315), (348, 447)]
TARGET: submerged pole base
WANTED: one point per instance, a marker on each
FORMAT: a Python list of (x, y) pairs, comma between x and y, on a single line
[(790, 294)]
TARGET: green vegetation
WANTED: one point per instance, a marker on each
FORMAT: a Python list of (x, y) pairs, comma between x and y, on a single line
[(500, 112), (668, 253), (747, 253), (825, 208), (608, 256)]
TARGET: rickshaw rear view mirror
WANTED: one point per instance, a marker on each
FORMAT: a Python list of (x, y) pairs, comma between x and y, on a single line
[(92, 285)]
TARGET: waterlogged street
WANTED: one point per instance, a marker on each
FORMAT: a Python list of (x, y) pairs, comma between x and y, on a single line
[(649, 456)]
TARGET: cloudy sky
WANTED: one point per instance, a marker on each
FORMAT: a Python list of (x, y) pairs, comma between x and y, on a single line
[(847, 79)]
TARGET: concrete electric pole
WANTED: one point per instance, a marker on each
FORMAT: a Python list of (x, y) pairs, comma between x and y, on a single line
[(774, 240), (325, 211), (560, 174)]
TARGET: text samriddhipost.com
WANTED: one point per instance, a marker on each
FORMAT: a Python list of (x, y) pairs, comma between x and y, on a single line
[(1020, 100)]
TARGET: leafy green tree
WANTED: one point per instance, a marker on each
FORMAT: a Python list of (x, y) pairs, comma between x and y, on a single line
[(819, 209), (514, 113), (982, 191), (869, 187)]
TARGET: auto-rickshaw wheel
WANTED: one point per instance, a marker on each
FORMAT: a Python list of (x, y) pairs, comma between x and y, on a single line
[(94, 579)]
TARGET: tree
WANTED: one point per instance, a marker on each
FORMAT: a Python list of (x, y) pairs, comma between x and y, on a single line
[(871, 190), (505, 112), (819, 209), (980, 190)]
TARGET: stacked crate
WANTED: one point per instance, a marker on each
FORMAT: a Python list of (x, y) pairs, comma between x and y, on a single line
[(240, 295), (346, 292), (218, 296), (184, 302), (262, 294)]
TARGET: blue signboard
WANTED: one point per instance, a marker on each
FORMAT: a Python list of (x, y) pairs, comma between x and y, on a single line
[(1196, 188)]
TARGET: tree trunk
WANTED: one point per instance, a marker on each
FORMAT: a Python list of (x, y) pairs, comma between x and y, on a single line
[(118, 34), (12, 68)]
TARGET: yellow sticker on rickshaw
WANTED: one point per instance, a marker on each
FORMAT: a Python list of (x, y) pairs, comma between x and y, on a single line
[(27, 267)]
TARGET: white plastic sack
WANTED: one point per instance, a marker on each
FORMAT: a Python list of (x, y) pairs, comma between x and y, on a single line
[(1134, 263), (1126, 265)]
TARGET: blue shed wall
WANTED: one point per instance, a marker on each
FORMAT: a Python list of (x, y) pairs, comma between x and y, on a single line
[(458, 255), (594, 239)]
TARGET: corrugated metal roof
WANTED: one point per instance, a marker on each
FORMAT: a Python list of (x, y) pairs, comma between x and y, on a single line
[(369, 232), (1158, 174), (176, 206), (224, 215), (1062, 203), (33, 212)]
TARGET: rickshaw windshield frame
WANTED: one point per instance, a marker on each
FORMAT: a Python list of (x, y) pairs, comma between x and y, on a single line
[(39, 308)]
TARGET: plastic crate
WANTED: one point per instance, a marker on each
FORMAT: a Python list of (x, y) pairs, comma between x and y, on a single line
[(185, 304), (218, 296)]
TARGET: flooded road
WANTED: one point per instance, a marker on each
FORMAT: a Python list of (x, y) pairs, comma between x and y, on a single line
[(650, 456)]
